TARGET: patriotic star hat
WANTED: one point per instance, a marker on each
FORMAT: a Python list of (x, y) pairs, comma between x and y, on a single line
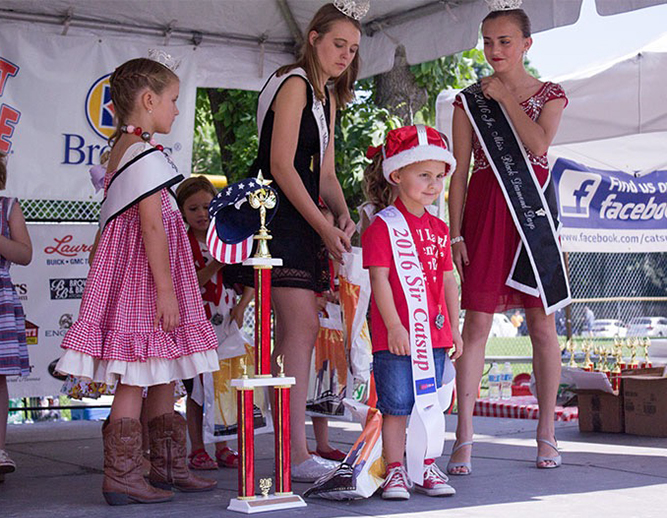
[(411, 144), (234, 222)]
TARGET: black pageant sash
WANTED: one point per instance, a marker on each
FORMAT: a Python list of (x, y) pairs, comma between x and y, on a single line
[(538, 267)]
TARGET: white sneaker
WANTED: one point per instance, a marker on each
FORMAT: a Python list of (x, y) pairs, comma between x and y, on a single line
[(312, 468), (7, 465)]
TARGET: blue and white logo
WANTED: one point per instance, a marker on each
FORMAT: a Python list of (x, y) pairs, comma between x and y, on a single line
[(575, 192)]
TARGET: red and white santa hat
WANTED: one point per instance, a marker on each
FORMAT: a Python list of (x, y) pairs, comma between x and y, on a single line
[(410, 144)]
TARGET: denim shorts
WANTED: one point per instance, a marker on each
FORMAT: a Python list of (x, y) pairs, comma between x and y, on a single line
[(393, 380)]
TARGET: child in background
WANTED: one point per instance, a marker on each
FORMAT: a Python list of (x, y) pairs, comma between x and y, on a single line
[(15, 247), (415, 160), (193, 197), (141, 321)]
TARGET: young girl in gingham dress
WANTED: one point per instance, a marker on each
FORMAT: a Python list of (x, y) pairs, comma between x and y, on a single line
[(15, 247), (142, 321)]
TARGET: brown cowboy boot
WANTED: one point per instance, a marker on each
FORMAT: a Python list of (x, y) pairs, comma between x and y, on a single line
[(169, 468), (123, 476)]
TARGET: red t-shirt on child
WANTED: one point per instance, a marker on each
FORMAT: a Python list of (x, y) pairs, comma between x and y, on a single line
[(431, 237)]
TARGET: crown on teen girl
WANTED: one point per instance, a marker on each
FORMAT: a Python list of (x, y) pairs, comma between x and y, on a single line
[(504, 5), (356, 9)]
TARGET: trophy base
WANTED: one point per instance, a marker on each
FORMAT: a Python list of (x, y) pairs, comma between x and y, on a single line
[(262, 504), (265, 262)]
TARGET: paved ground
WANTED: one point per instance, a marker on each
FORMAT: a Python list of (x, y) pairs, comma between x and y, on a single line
[(605, 475)]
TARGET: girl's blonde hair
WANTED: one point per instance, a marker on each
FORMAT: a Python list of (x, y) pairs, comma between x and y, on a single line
[(343, 85), (129, 80), (377, 189), (191, 186), (3, 170)]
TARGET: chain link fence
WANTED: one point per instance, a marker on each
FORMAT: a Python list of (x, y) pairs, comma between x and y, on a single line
[(59, 211)]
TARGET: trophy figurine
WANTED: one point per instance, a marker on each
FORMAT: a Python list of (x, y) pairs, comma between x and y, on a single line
[(605, 366), (587, 346), (571, 347), (634, 363), (647, 361), (616, 371)]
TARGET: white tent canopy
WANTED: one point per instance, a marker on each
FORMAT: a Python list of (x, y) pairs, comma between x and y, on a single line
[(56, 56), (240, 42), (616, 117)]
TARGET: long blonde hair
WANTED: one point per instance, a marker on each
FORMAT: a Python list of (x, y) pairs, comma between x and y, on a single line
[(379, 192), (343, 85), (131, 78)]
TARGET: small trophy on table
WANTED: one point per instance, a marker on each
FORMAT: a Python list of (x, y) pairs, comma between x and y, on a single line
[(604, 352), (634, 363), (616, 371), (587, 346), (647, 361), (571, 347)]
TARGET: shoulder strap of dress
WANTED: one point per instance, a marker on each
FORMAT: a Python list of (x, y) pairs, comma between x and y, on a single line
[(269, 92)]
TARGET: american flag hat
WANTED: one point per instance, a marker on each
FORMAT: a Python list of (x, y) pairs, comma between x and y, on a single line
[(225, 253), (234, 222)]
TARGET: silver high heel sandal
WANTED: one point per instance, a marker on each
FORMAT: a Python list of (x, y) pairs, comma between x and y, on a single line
[(557, 460), (451, 466)]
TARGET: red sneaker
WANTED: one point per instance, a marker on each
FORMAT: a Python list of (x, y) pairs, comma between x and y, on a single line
[(397, 483), (435, 481)]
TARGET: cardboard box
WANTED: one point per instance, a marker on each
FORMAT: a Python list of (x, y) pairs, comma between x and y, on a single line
[(645, 402), (600, 412)]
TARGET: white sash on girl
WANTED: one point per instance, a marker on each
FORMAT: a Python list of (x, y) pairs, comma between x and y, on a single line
[(426, 431), (145, 174), (268, 94)]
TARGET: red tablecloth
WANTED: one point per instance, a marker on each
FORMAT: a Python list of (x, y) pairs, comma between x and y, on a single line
[(520, 407)]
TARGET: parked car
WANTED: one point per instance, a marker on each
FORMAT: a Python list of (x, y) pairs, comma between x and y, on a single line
[(608, 328), (648, 326), (500, 327)]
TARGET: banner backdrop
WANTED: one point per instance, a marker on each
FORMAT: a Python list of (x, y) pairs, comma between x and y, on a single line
[(56, 112), (50, 289), (610, 211)]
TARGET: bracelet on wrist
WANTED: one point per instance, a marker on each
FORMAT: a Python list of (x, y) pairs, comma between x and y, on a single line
[(457, 239)]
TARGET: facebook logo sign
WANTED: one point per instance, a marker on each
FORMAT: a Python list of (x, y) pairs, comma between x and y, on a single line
[(575, 192)]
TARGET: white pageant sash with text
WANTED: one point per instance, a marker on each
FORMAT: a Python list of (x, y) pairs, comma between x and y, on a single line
[(268, 94)]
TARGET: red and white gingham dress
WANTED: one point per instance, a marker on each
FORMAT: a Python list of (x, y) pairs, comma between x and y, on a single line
[(114, 337)]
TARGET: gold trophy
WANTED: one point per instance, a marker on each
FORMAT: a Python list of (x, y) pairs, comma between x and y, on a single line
[(265, 486), (571, 347), (647, 360), (616, 371), (262, 199), (605, 365), (634, 363), (587, 346)]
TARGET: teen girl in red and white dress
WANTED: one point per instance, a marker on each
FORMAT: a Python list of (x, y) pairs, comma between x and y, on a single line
[(485, 237), (414, 305), (141, 321)]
